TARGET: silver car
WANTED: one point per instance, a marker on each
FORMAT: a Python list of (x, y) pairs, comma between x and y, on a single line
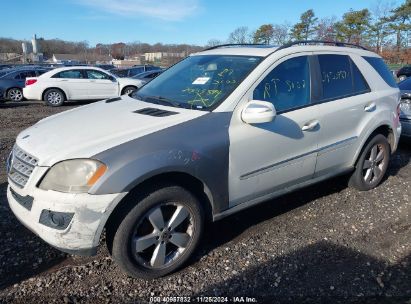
[(221, 131)]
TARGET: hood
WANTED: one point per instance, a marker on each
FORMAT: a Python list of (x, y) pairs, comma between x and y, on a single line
[(91, 129)]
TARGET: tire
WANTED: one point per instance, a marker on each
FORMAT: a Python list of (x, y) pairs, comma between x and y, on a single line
[(15, 94), (402, 77), (54, 97), (128, 90), (372, 164), (159, 233)]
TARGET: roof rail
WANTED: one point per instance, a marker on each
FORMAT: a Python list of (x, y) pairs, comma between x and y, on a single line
[(323, 42), (238, 44)]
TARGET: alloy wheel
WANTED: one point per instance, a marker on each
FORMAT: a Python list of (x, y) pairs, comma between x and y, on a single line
[(54, 98), (15, 95), (162, 235), (373, 166)]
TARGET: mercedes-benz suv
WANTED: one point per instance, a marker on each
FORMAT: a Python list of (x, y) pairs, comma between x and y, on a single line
[(222, 130)]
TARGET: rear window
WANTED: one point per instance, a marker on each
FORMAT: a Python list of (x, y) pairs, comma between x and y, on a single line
[(382, 69)]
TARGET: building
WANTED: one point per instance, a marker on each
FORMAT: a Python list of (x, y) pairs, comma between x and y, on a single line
[(85, 58), (160, 57)]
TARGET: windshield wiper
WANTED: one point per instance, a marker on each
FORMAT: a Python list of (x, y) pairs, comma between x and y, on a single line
[(163, 100)]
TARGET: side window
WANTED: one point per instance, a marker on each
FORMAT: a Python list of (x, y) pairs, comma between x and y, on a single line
[(381, 68), (93, 74), (135, 71), (71, 74), (287, 86), (336, 76), (360, 85), (340, 77)]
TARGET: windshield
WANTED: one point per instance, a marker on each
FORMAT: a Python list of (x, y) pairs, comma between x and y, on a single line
[(198, 82)]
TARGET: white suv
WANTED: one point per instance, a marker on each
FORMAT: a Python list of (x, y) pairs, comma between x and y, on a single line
[(223, 130)]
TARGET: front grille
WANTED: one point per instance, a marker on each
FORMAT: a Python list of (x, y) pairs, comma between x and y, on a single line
[(21, 165)]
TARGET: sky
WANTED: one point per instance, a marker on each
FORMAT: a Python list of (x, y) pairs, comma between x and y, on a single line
[(152, 21)]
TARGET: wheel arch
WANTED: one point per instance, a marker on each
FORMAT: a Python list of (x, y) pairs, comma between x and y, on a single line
[(128, 86), (192, 184), (383, 129), (54, 88)]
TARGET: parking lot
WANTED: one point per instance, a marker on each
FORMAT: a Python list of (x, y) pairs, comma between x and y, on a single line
[(326, 243)]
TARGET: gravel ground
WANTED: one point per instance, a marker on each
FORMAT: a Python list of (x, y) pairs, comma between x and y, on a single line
[(323, 244)]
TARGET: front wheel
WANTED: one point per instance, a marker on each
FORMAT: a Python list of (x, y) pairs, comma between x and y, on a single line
[(159, 234), (128, 90), (372, 164), (54, 97)]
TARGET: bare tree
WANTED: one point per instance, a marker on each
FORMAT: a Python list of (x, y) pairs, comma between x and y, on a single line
[(325, 29), (214, 42), (239, 35), (281, 33)]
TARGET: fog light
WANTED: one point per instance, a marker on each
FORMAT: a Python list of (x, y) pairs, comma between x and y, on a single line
[(56, 220)]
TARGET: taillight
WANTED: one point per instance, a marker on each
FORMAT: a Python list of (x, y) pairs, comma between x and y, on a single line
[(30, 81)]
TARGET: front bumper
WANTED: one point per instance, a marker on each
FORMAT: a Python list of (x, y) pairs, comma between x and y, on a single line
[(89, 214), (406, 127)]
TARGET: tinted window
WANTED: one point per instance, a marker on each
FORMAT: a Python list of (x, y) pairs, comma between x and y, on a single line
[(93, 74), (25, 74), (382, 69), (287, 86), (73, 74), (136, 71), (405, 84), (340, 77), (121, 73)]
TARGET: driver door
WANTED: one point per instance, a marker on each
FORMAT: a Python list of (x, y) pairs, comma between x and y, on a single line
[(271, 157)]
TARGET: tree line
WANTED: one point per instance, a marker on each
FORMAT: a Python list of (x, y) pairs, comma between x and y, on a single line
[(384, 28)]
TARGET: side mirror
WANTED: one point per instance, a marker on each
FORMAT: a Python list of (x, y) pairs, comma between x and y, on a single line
[(257, 111)]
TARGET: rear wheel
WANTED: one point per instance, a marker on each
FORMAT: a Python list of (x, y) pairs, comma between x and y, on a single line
[(372, 164), (54, 97), (159, 234), (15, 94)]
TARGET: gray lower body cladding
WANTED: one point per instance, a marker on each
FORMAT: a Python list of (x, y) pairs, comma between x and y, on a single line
[(198, 147)]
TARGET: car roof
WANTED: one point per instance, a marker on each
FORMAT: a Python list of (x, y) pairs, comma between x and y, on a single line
[(253, 50)]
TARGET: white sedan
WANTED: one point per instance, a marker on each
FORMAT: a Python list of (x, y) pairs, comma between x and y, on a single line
[(77, 83)]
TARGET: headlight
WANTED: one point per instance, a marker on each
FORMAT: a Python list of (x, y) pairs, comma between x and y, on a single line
[(73, 176), (405, 107)]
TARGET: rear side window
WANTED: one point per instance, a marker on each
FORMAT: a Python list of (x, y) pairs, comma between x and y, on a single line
[(340, 77), (382, 69), (287, 86), (72, 74)]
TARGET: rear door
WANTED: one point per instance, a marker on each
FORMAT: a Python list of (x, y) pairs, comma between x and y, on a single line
[(101, 85), (73, 82), (344, 104)]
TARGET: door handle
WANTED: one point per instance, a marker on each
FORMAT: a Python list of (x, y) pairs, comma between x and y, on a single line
[(64, 80), (370, 107), (92, 81), (310, 125)]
